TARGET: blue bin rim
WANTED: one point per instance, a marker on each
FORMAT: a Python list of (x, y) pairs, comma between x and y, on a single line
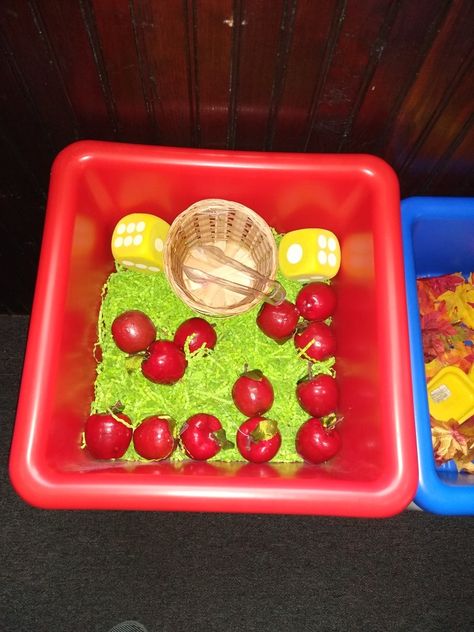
[(433, 494)]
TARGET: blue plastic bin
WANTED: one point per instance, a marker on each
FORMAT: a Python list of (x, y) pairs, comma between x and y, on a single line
[(438, 238)]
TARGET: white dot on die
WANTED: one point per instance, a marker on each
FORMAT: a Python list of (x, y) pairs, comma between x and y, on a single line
[(322, 257), (127, 263), (332, 259), (159, 244), (137, 240), (121, 229), (141, 266), (118, 242), (140, 227), (153, 268), (294, 253), (322, 241), (128, 240), (332, 244), (131, 227)]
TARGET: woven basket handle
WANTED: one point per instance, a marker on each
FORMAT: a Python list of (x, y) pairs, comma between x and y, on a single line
[(274, 292), (199, 276)]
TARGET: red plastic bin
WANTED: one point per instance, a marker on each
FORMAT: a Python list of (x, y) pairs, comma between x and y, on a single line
[(92, 185)]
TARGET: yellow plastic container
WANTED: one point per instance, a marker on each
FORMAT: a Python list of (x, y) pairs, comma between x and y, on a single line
[(451, 395)]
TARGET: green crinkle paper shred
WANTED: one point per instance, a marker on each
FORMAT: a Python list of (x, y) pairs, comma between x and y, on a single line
[(207, 383)]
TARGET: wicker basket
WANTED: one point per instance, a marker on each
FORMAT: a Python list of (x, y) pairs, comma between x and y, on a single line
[(241, 235)]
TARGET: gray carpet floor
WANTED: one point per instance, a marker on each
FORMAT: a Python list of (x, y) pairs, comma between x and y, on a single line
[(86, 571)]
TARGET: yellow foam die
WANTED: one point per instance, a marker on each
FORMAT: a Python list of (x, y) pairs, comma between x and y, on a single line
[(138, 241), (309, 254)]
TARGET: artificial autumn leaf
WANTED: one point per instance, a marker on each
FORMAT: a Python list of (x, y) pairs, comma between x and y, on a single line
[(434, 345), (456, 356), (438, 321), (462, 342), (432, 368), (430, 289), (447, 321), (426, 296), (465, 466), (464, 334), (453, 441), (469, 358), (468, 428), (436, 333), (442, 339), (445, 283), (459, 304)]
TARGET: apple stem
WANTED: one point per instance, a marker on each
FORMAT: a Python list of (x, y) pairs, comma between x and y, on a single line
[(331, 420), (222, 440), (265, 429), (310, 369), (117, 408), (134, 360)]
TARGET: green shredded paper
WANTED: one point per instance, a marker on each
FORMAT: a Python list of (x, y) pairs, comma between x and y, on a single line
[(207, 384)]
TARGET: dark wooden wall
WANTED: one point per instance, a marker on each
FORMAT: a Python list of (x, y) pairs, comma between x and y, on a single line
[(389, 77)]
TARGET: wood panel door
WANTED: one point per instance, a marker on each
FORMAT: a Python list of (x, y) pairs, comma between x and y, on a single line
[(389, 77)]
